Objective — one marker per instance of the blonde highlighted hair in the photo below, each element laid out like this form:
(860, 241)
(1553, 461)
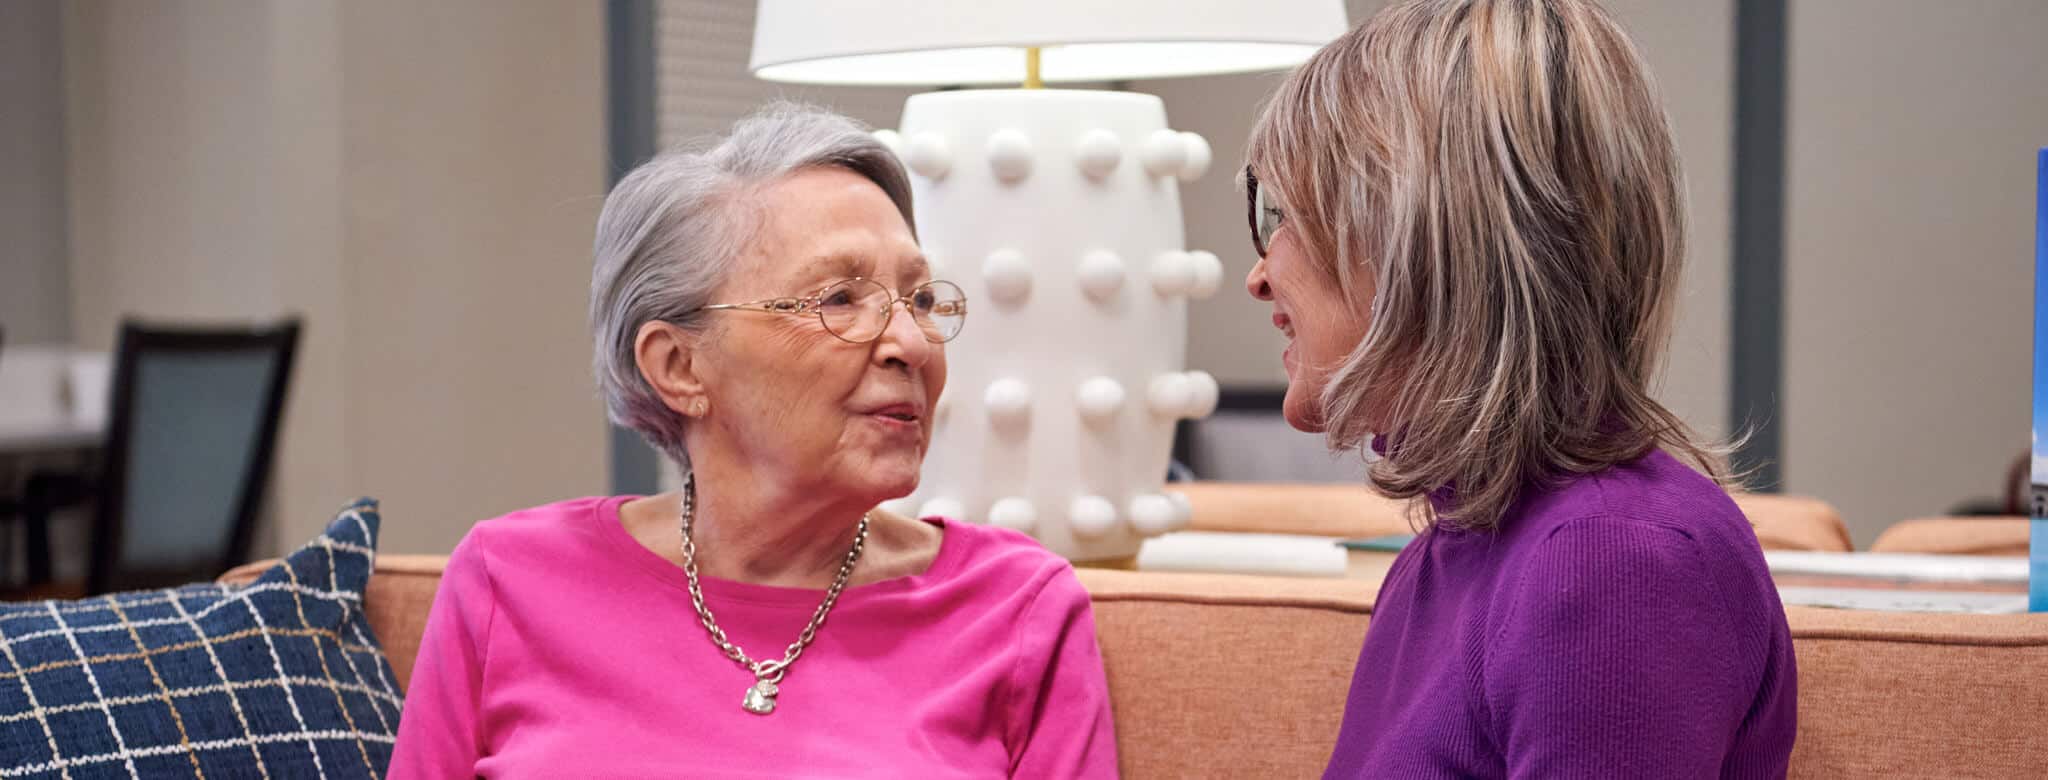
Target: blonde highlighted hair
(1493, 182)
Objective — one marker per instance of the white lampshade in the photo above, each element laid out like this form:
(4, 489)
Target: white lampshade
(930, 42)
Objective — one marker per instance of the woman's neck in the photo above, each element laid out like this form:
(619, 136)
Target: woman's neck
(754, 530)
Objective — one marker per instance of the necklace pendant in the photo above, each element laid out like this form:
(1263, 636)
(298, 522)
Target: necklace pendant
(761, 698)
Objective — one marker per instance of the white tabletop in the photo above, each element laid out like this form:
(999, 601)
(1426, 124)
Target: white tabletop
(1904, 600)
(52, 399)
(1900, 566)
(27, 437)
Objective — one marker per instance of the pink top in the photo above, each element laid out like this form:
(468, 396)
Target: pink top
(557, 644)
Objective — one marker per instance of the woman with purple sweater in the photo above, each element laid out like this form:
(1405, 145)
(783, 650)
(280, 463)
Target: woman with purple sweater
(1470, 222)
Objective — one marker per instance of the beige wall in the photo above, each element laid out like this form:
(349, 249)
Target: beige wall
(34, 305)
(418, 182)
(1687, 46)
(172, 207)
(474, 158)
(1690, 49)
(1910, 195)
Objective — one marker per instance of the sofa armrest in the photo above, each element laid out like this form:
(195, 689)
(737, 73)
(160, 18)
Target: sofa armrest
(1799, 523)
(1342, 511)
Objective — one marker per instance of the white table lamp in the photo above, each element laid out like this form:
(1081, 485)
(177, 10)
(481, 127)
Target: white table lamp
(1058, 212)
(974, 42)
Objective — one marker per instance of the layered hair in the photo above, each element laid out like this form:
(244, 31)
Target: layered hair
(1493, 184)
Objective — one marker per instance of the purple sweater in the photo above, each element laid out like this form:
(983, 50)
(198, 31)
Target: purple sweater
(1621, 625)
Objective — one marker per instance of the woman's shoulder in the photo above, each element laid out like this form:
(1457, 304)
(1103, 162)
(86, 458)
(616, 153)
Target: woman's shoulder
(552, 528)
(1634, 582)
(1649, 526)
(985, 553)
(1640, 538)
(1671, 501)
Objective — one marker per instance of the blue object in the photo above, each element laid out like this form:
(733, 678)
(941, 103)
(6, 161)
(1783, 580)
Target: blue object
(2037, 499)
(281, 677)
(1390, 543)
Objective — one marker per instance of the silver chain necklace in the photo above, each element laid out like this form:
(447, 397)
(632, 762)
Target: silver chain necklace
(760, 698)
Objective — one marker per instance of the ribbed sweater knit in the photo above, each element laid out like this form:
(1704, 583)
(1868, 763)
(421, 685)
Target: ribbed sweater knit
(1621, 624)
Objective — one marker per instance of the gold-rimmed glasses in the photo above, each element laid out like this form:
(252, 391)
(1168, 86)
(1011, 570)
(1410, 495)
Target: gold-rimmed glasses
(858, 309)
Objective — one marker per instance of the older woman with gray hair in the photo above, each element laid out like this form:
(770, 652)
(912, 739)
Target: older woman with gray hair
(1469, 222)
(763, 315)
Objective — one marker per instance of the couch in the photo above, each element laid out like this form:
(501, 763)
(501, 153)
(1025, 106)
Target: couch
(1234, 676)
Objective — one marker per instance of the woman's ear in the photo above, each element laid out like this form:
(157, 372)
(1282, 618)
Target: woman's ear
(667, 358)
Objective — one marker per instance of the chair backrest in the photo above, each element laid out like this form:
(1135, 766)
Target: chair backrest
(190, 438)
(1792, 522)
(2001, 536)
(1351, 511)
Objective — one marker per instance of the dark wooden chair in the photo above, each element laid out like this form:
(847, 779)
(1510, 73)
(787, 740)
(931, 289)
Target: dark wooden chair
(191, 435)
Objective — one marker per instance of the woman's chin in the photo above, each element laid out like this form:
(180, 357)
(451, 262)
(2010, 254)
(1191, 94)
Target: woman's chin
(1300, 409)
(898, 488)
(888, 478)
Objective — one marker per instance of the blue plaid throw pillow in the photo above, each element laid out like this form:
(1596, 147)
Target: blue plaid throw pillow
(278, 678)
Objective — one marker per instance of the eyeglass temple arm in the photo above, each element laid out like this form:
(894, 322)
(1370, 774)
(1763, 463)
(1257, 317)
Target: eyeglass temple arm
(788, 305)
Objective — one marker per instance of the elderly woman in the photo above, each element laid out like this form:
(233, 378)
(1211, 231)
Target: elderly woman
(1470, 228)
(763, 315)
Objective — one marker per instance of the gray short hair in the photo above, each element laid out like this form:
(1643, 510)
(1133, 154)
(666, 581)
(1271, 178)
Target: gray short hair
(672, 229)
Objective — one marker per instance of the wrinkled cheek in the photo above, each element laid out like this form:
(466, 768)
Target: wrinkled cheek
(802, 340)
(935, 378)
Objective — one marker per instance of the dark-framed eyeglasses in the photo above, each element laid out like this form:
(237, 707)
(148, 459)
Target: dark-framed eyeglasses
(1262, 211)
(858, 310)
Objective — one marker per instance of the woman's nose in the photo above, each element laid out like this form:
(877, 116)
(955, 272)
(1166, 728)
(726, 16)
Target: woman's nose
(1256, 283)
(903, 339)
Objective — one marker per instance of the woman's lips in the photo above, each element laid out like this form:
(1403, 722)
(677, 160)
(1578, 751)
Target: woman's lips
(894, 423)
(1286, 326)
(898, 418)
(1284, 323)
(901, 410)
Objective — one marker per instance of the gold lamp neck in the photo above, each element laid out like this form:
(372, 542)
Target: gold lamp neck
(1031, 77)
